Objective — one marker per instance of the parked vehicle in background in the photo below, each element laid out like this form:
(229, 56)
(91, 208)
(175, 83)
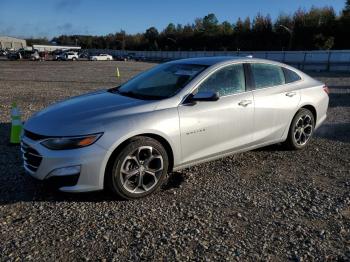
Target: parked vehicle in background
(73, 56)
(84, 55)
(131, 56)
(140, 58)
(3, 52)
(32, 55)
(12, 55)
(175, 115)
(57, 55)
(101, 57)
(64, 55)
(35, 56)
(121, 58)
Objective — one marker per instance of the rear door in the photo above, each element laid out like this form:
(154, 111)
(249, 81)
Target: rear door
(275, 102)
(210, 128)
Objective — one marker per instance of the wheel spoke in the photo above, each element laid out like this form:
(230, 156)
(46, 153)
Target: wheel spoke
(302, 138)
(132, 158)
(306, 120)
(140, 182)
(297, 135)
(129, 173)
(306, 135)
(308, 130)
(299, 122)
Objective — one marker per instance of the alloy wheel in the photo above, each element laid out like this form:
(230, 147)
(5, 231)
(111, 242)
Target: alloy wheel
(303, 129)
(141, 170)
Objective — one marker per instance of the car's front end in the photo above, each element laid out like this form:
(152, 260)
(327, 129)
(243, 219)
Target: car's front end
(72, 169)
(68, 143)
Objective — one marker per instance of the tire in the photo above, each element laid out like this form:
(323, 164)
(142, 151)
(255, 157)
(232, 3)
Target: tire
(139, 169)
(300, 130)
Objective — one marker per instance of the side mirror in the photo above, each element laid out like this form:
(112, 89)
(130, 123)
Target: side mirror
(205, 96)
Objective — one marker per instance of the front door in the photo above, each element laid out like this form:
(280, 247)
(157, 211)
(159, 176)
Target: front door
(211, 128)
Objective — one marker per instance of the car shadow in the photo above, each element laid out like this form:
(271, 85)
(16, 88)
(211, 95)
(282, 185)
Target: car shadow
(335, 131)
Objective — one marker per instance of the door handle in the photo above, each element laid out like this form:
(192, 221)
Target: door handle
(291, 94)
(244, 103)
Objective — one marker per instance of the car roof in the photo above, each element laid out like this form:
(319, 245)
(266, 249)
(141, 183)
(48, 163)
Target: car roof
(216, 60)
(212, 60)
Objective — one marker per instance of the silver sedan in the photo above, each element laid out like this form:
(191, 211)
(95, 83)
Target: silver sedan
(173, 116)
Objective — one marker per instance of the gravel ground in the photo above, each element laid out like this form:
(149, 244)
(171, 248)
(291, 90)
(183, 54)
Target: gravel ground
(268, 204)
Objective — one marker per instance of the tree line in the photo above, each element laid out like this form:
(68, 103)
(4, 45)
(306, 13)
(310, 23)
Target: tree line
(316, 28)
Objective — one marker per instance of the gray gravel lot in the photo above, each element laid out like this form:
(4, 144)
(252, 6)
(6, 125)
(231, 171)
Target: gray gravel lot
(268, 204)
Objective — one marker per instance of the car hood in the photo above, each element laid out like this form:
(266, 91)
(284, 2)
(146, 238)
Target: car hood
(85, 114)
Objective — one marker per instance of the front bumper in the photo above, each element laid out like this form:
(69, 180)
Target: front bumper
(42, 164)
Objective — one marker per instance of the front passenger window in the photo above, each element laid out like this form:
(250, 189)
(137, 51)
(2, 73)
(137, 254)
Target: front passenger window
(226, 81)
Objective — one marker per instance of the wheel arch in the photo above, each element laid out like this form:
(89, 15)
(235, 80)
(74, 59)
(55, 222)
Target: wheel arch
(306, 106)
(164, 142)
(311, 108)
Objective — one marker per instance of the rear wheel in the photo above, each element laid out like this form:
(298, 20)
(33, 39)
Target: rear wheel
(139, 169)
(301, 129)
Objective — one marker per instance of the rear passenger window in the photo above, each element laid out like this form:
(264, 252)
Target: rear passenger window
(266, 75)
(290, 76)
(226, 81)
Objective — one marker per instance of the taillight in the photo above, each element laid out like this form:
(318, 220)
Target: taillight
(326, 89)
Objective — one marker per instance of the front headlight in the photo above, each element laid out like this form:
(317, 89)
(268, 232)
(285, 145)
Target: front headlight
(61, 143)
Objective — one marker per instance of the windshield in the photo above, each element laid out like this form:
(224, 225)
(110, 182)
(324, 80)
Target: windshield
(160, 82)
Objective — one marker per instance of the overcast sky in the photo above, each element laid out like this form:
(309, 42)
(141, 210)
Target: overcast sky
(48, 18)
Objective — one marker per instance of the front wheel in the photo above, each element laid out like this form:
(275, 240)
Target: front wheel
(139, 169)
(301, 129)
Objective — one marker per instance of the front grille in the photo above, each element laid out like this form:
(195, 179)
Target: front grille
(31, 157)
(34, 136)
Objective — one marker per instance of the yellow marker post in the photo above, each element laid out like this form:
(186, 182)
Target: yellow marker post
(117, 75)
(16, 125)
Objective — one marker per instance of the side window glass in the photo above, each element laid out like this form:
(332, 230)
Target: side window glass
(266, 75)
(291, 76)
(226, 81)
